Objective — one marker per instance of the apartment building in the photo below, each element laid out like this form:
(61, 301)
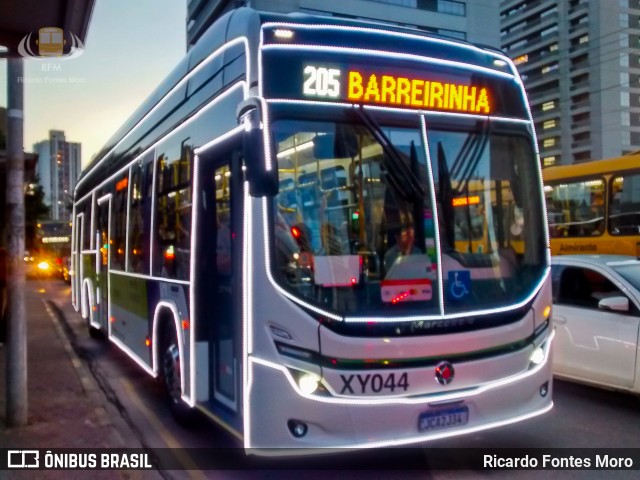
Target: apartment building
(58, 169)
(474, 20)
(580, 63)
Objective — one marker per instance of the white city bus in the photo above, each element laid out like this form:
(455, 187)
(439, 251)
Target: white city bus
(272, 234)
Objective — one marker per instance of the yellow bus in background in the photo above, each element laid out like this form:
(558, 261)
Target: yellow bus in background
(472, 234)
(594, 207)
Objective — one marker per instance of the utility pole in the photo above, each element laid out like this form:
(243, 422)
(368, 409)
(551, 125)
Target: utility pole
(16, 354)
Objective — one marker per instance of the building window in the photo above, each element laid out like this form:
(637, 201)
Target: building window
(521, 59)
(624, 60)
(624, 99)
(549, 161)
(581, 157)
(548, 31)
(451, 7)
(624, 19)
(624, 40)
(625, 137)
(624, 119)
(548, 105)
(549, 142)
(553, 48)
(583, 39)
(402, 3)
(549, 68)
(624, 79)
(549, 124)
(516, 26)
(518, 44)
(452, 33)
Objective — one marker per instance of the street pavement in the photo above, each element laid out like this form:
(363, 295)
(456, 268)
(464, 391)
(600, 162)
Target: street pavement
(67, 409)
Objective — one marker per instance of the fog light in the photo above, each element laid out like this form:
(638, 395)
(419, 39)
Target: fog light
(297, 429)
(544, 389)
(308, 383)
(537, 357)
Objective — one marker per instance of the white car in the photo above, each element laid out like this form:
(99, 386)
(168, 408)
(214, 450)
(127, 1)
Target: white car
(596, 313)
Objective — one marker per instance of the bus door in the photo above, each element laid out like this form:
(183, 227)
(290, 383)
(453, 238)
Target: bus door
(219, 268)
(103, 253)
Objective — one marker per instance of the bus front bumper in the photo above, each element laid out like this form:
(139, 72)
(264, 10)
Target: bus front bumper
(276, 407)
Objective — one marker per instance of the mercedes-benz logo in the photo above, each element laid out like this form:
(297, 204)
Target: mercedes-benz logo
(444, 373)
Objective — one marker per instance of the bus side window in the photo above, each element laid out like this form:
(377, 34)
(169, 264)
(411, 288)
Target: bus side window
(624, 209)
(137, 250)
(173, 211)
(119, 222)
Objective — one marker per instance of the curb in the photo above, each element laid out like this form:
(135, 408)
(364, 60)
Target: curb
(123, 436)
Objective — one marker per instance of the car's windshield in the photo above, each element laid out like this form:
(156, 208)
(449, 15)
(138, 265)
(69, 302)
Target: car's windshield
(355, 231)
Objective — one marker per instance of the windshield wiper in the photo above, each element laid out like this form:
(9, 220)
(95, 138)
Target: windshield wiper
(469, 156)
(398, 169)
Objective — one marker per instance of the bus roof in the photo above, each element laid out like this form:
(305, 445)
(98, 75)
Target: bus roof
(596, 167)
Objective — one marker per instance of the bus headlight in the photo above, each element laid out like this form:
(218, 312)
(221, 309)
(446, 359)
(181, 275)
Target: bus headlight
(537, 357)
(308, 383)
(44, 266)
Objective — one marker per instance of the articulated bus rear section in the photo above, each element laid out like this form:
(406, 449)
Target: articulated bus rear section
(285, 235)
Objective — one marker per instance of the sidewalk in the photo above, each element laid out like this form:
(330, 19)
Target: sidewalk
(67, 409)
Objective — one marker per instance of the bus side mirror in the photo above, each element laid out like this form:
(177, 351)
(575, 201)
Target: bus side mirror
(262, 178)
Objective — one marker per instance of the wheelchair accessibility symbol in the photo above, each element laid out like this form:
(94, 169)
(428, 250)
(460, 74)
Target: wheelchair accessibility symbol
(459, 284)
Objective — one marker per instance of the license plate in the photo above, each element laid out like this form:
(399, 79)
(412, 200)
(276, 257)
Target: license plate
(443, 419)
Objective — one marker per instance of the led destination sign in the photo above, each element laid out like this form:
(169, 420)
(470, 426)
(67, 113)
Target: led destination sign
(405, 84)
(416, 92)
(403, 91)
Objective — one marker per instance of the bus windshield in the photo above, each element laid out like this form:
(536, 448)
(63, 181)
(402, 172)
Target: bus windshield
(354, 217)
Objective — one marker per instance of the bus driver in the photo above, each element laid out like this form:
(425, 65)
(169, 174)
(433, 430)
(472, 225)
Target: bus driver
(405, 239)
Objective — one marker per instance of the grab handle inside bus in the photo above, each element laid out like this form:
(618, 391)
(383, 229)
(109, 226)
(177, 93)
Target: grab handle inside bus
(263, 181)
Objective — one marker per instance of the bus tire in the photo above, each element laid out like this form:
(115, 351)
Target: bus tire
(94, 332)
(171, 377)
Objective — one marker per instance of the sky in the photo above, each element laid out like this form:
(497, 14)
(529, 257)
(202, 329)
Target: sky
(130, 48)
